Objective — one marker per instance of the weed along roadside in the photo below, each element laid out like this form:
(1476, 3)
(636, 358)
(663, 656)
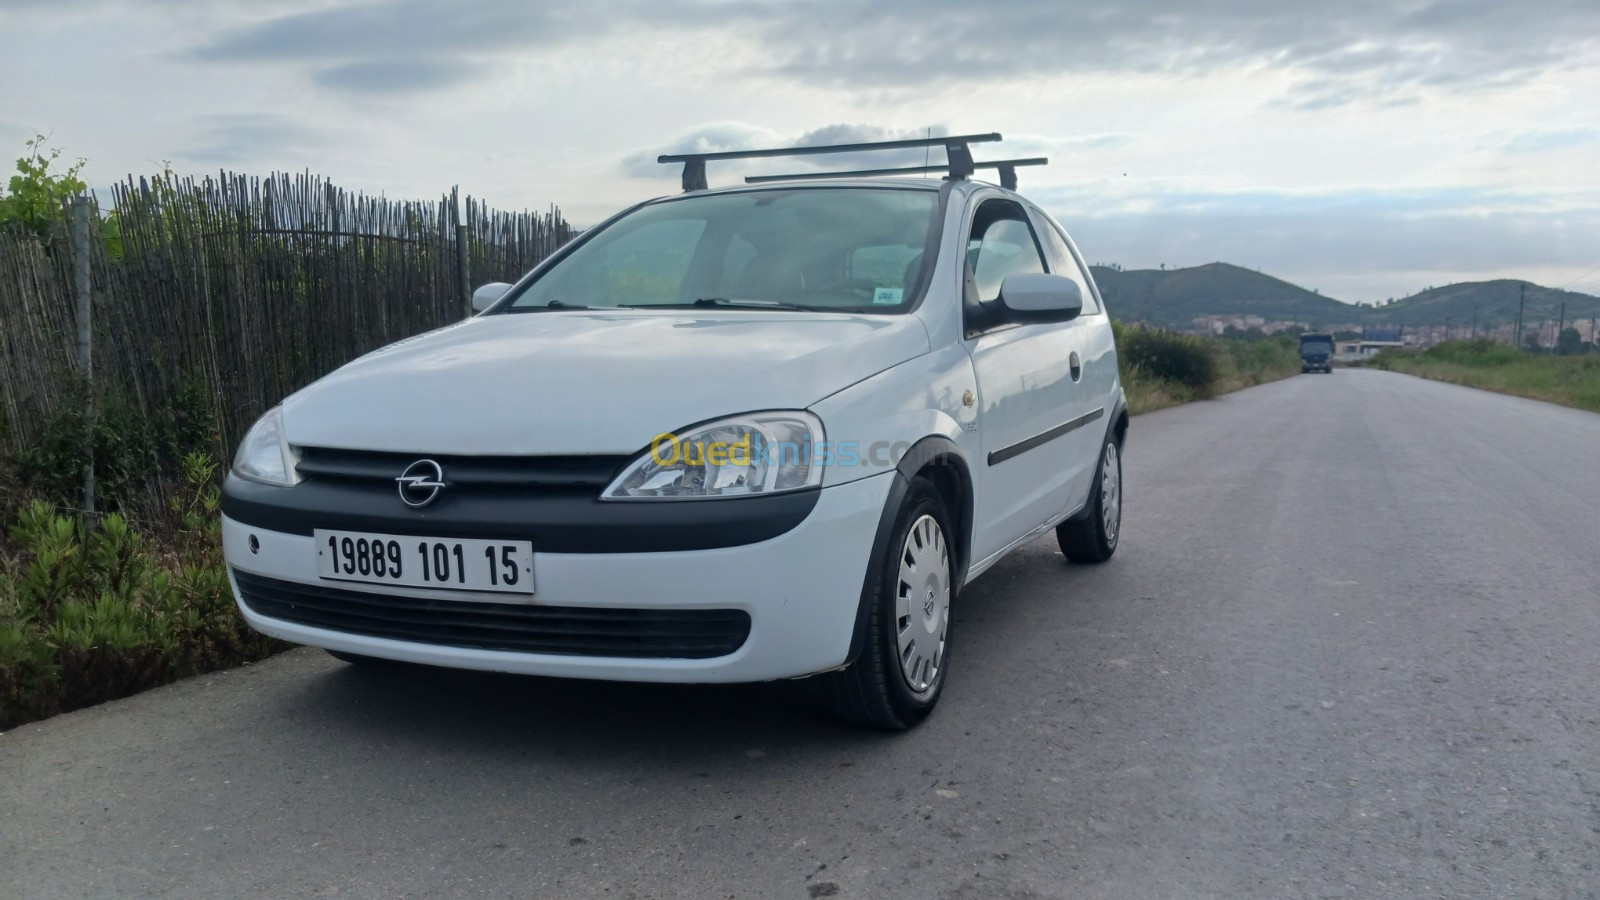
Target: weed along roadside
(1162, 369)
(1572, 380)
(90, 613)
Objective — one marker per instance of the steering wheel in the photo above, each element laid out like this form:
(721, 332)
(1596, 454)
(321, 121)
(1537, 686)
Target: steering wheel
(865, 287)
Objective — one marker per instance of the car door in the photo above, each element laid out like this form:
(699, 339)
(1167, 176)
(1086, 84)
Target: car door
(1030, 408)
(1098, 378)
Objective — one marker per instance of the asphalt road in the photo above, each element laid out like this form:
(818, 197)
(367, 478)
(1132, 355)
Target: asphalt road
(1350, 647)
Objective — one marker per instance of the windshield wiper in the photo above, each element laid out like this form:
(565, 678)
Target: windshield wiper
(553, 304)
(755, 304)
(729, 303)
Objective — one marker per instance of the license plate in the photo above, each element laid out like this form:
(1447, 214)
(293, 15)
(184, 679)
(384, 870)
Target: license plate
(457, 564)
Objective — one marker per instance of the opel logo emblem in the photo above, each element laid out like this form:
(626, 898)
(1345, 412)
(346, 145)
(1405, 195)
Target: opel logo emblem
(421, 483)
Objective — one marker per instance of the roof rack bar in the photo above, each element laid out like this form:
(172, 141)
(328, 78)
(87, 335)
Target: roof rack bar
(832, 148)
(1008, 172)
(694, 164)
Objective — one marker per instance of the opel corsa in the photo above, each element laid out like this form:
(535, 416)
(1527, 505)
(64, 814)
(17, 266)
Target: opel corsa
(732, 435)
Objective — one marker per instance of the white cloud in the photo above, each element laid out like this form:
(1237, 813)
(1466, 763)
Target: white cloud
(1366, 143)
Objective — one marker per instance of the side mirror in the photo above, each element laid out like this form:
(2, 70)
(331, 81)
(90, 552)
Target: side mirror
(484, 297)
(1031, 297)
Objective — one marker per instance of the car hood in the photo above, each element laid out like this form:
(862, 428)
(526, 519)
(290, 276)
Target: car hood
(589, 382)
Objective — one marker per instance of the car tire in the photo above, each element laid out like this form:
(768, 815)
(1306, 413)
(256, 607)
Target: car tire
(905, 654)
(1093, 537)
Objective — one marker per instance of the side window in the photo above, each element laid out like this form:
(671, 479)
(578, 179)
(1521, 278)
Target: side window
(1001, 244)
(1063, 262)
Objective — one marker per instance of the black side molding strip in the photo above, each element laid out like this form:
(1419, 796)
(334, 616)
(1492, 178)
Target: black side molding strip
(1004, 453)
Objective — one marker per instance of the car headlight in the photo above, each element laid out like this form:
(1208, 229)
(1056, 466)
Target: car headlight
(760, 453)
(264, 454)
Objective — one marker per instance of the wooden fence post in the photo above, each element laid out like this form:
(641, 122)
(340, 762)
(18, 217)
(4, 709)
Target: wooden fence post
(84, 286)
(461, 265)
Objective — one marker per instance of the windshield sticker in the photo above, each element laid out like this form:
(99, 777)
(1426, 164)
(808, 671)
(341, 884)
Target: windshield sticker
(887, 296)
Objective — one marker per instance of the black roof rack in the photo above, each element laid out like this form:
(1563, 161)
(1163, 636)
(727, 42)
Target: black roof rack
(1008, 171)
(959, 164)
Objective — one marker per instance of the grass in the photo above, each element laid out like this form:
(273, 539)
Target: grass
(1162, 369)
(1567, 380)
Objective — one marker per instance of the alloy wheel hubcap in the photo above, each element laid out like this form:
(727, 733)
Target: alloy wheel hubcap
(1111, 493)
(922, 605)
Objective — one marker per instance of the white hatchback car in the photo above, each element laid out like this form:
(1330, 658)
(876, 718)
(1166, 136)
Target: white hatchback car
(732, 435)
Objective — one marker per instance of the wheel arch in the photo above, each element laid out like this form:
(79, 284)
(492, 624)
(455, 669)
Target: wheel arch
(939, 460)
(1118, 428)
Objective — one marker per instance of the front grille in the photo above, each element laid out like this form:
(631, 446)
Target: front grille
(504, 471)
(632, 633)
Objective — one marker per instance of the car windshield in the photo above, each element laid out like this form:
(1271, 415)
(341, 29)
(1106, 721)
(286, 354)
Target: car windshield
(1316, 347)
(859, 249)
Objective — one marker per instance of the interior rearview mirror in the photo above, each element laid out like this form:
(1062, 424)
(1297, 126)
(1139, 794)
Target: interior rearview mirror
(1037, 297)
(484, 297)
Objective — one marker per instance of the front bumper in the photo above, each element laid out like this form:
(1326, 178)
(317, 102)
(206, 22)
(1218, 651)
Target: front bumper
(800, 589)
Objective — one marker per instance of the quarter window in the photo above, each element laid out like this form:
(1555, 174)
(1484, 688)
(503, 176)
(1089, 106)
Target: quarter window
(1063, 262)
(1001, 244)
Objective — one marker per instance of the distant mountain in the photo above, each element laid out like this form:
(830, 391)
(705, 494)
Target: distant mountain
(1174, 298)
(1495, 303)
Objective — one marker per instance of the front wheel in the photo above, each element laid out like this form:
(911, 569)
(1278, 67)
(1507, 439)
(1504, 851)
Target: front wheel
(905, 655)
(1093, 538)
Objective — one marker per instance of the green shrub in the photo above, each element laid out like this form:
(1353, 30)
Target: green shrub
(137, 460)
(1161, 369)
(1481, 352)
(1181, 359)
(125, 454)
(89, 614)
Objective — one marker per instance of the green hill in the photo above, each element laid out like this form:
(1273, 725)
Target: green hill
(1495, 303)
(1173, 299)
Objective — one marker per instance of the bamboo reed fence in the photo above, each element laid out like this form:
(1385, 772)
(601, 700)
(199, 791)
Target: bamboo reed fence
(239, 290)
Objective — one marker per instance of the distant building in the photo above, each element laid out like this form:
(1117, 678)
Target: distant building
(1374, 340)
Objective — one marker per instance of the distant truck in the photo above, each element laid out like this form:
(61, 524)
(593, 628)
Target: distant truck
(1316, 353)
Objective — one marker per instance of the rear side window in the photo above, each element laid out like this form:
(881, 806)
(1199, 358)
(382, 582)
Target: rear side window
(1001, 244)
(1063, 262)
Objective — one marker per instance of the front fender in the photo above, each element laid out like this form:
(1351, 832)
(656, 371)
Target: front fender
(873, 424)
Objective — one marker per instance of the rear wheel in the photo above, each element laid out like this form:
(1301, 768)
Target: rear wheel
(1093, 538)
(905, 654)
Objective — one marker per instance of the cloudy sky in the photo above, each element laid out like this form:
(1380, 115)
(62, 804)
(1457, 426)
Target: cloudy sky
(1366, 149)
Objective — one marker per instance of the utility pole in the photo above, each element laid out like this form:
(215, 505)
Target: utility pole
(1561, 322)
(1516, 339)
(1474, 321)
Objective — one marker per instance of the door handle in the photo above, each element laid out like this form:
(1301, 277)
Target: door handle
(1076, 364)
